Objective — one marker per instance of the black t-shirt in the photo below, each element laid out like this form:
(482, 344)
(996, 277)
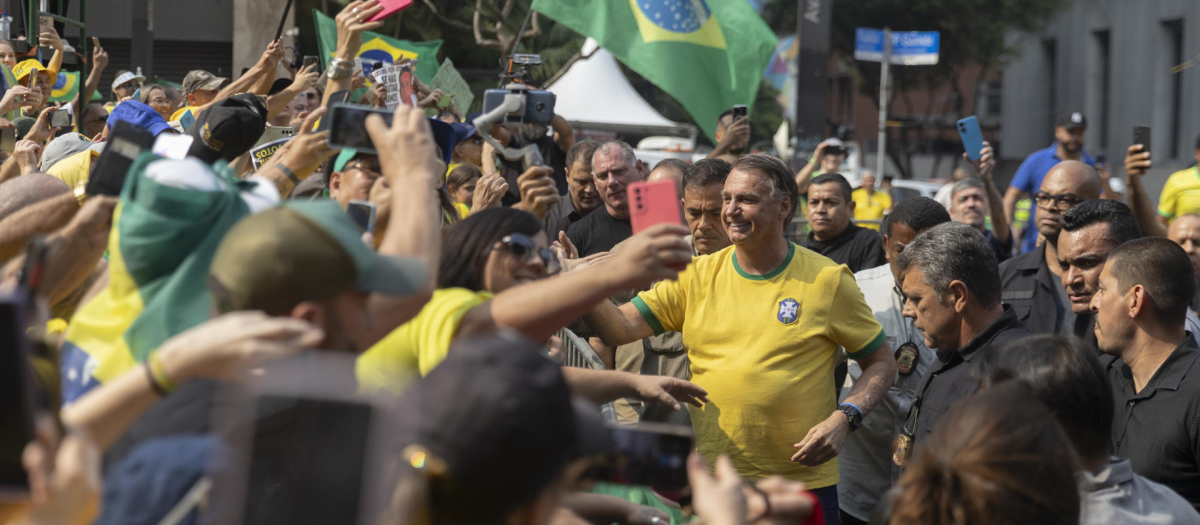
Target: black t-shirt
(858, 248)
(551, 156)
(598, 232)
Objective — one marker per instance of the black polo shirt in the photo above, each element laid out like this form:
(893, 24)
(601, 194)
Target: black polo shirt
(560, 216)
(1158, 429)
(950, 380)
(856, 247)
(1031, 288)
(598, 232)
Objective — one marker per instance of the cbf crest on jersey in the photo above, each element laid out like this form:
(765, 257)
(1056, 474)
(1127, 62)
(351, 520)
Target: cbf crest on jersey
(789, 311)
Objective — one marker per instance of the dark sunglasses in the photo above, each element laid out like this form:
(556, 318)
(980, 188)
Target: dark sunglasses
(522, 247)
(1062, 201)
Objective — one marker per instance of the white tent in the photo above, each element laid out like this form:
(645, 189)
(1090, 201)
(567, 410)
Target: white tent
(593, 94)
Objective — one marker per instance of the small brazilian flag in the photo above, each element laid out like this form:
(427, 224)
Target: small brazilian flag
(9, 80)
(66, 88)
(379, 48)
(708, 54)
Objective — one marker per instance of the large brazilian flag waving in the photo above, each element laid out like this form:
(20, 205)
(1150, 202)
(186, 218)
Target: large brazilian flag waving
(708, 54)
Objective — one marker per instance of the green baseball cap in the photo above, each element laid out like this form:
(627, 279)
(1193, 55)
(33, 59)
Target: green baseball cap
(303, 251)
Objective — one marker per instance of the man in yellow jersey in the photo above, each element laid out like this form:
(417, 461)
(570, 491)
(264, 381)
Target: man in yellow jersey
(1181, 194)
(870, 204)
(762, 321)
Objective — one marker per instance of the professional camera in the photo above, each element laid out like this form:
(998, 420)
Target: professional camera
(521, 104)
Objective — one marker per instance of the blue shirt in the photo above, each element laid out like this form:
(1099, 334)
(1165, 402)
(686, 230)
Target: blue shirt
(1029, 180)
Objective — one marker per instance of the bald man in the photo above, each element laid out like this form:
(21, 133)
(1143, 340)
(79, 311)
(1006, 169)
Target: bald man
(1185, 231)
(29, 189)
(672, 170)
(1032, 282)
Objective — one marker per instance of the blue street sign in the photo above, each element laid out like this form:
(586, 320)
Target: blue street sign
(911, 48)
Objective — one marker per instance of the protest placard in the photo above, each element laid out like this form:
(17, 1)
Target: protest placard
(451, 82)
(398, 80)
(262, 153)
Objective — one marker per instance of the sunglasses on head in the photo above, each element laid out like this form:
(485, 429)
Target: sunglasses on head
(522, 247)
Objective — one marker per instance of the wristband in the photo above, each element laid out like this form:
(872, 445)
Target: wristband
(766, 501)
(812, 160)
(158, 378)
(290, 174)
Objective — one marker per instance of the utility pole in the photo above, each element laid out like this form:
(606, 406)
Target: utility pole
(142, 41)
(881, 156)
(813, 19)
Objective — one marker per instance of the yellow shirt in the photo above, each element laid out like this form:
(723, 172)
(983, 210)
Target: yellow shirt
(178, 114)
(418, 345)
(870, 207)
(1181, 194)
(463, 210)
(764, 346)
(74, 171)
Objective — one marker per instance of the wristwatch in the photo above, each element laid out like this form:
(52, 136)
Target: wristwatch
(339, 68)
(853, 415)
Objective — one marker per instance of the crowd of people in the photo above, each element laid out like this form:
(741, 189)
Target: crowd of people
(944, 362)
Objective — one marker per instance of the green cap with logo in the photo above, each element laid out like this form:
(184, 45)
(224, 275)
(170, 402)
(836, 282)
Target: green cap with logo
(303, 251)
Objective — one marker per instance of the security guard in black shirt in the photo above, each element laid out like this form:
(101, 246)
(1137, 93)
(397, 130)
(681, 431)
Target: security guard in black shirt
(1032, 282)
(951, 284)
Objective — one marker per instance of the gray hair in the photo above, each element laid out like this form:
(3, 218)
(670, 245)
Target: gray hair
(626, 151)
(965, 184)
(955, 252)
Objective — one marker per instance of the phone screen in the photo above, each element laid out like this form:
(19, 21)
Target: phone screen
(738, 112)
(348, 128)
(363, 213)
(307, 461)
(655, 456)
(60, 118)
(123, 147)
(1141, 135)
(310, 60)
(16, 426)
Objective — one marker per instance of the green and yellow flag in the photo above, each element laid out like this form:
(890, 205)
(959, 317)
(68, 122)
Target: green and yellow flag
(708, 54)
(379, 48)
(162, 241)
(66, 87)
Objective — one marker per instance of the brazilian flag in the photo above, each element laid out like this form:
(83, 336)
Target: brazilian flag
(379, 48)
(708, 54)
(9, 80)
(65, 88)
(161, 244)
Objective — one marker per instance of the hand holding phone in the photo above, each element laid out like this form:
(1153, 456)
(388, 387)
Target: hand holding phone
(647, 454)
(311, 60)
(972, 137)
(348, 126)
(1141, 135)
(739, 112)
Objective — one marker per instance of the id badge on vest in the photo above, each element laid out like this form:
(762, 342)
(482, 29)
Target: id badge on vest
(903, 444)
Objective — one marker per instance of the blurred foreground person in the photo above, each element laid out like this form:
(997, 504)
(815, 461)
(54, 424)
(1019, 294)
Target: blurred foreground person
(997, 458)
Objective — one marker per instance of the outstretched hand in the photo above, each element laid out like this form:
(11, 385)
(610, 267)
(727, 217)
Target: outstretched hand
(669, 390)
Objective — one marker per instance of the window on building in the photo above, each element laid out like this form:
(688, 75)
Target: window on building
(1174, 31)
(1104, 59)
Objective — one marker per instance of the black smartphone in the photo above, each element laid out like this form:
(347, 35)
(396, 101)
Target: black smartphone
(60, 118)
(8, 140)
(739, 111)
(1101, 161)
(348, 128)
(17, 396)
(363, 213)
(311, 60)
(1141, 135)
(126, 142)
(648, 454)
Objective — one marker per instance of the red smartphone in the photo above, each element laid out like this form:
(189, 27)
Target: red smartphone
(654, 203)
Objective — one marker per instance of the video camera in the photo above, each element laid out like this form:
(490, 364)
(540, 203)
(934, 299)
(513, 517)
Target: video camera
(515, 104)
(521, 104)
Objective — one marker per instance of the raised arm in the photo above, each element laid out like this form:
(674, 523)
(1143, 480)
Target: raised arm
(564, 135)
(73, 251)
(409, 162)
(305, 79)
(40, 218)
(738, 132)
(218, 349)
(540, 308)
(99, 64)
(984, 167)
(249, 81)
(350, 26)
(1137, 163)
(806, 173)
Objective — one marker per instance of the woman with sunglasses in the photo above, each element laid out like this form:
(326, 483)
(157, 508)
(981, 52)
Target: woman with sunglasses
(497, 272)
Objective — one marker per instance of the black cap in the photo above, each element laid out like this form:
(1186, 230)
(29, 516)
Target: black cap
(499, 415)
(228, 128)
(1073, 119)
(280, 84)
